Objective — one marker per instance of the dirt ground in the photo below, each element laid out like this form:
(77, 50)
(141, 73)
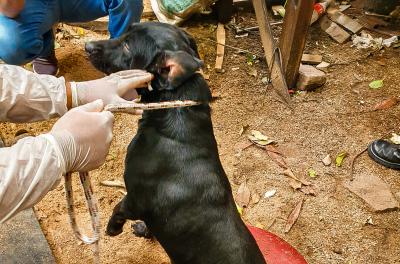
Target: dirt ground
(332, 225)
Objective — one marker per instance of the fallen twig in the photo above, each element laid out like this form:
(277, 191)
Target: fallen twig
(352, 163)
(116, 184)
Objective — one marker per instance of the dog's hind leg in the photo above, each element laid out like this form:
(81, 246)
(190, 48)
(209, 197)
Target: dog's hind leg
(118, 219)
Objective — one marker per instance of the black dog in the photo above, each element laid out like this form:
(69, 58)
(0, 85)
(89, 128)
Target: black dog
(173, 174)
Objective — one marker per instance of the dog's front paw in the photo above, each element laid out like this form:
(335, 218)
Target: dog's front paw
(140, 229)
(114, 228)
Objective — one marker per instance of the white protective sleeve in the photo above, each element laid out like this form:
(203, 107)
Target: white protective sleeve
(33, 166)
(28, 170)
(29, 97)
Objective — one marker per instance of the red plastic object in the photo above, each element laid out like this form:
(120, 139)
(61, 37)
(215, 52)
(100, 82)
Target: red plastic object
(274, 249)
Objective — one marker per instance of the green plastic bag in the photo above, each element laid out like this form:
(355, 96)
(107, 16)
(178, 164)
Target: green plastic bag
(183, 8)
(177, 6)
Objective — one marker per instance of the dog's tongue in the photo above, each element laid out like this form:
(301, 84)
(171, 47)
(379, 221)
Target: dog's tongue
(274, 249)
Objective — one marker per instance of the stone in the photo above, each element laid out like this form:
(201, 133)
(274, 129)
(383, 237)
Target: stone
(374, 191)
(310, 78)
(323, 65)
(22, 241)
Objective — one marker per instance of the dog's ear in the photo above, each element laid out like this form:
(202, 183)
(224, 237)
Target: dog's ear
(174, 67)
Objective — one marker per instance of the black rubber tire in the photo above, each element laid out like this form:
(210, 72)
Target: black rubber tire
(224, 10)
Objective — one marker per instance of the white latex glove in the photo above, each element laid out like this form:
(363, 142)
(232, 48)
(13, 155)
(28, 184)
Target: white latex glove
(84, 136)
(116, 88)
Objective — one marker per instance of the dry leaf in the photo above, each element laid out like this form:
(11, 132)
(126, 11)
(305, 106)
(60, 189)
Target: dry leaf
(259, 138)
(386, 104)
(288, 172)
(377, 84)
(295, 184)
(278, 158)
(308, 190)
(340, 157)
(253, 72)
(327, 160)
(240, 209)
(293, 216)
(255, 198)
(243, 195)
(395, 139)
(81, 31)
(243, 129)
(312, 173)
(259, 225)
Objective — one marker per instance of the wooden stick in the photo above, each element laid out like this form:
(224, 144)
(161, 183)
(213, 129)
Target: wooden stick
(220, 47)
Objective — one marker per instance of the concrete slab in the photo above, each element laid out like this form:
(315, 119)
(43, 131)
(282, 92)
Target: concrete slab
(23, 242)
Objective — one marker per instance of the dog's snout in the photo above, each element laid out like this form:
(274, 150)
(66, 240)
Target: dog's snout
(91, 47)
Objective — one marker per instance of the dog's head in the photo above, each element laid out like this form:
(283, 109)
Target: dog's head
(164, 50)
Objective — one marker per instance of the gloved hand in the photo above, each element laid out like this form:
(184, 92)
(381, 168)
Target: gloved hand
(84, 136)
(115, 88)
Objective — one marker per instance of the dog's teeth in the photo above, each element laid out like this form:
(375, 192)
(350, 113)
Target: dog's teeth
(149, 87)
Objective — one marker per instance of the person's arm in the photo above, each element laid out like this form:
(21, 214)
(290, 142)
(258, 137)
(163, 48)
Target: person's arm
(11, 8)
(79, 141)
(28, 170)
(29, 97)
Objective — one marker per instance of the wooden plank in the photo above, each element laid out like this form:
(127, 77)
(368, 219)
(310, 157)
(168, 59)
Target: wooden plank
(343, 8)
(293, 37)
(311, 59)
(271, 53)
(220, 47)
(334, 30)
(338, 17)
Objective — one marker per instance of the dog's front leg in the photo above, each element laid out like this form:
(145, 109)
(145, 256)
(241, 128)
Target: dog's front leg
(140, 229)
(118, 219)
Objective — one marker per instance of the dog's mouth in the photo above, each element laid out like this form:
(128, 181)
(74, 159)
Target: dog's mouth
(108, 56)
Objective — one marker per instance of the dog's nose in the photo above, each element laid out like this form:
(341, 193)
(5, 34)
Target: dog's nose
(91, 47)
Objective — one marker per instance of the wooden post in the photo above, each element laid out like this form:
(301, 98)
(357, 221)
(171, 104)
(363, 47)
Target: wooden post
(293, 38)
(271, 53)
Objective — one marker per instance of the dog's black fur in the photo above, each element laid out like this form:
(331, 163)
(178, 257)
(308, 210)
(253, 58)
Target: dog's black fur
(173, 174)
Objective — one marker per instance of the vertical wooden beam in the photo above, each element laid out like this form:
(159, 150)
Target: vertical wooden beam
(293, 38)
(271, 53)
(220, 47)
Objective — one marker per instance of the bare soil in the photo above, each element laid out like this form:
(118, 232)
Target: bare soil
(332, 224)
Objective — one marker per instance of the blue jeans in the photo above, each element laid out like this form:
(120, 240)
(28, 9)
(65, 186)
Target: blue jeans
(30, 35)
